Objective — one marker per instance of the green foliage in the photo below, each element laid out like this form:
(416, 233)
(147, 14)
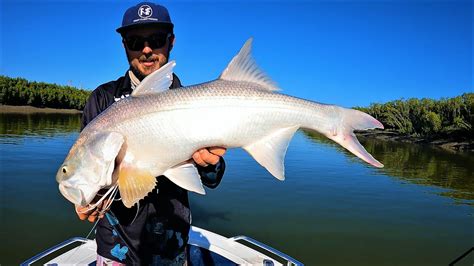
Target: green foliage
(426, 117)
(18, 91)
(431, 123)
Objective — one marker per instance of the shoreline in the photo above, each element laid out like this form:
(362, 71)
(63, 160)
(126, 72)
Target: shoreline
(463, 144)
(26, 109)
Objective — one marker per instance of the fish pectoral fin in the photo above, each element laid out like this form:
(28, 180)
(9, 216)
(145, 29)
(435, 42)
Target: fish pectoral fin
(243, 68)
(134, 184)
(156, 82)
(186, 176)
(270, 151)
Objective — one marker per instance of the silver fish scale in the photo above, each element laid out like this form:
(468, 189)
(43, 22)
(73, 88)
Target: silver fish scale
(164, 129)
(219, 93)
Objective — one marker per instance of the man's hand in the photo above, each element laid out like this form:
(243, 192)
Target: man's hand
(203, 157)
(207, 156)
(91, 215)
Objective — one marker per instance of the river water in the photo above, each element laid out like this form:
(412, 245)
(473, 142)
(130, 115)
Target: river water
(332, 209)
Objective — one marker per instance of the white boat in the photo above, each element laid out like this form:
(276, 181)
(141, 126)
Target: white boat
(204, 248)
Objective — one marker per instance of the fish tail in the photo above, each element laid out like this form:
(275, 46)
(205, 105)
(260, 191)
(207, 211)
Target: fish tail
(343, 133)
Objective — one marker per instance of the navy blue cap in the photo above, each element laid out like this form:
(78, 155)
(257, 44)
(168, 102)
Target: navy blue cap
(145, 13)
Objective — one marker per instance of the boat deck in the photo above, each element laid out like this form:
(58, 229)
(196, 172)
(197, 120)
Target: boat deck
(204, 248)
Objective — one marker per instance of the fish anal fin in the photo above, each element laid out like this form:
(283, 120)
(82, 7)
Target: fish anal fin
(270, 151)
(243, 68)
(157, 81)
(186, 176)
(134, 184)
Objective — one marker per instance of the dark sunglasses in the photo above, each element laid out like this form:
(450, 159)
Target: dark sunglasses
(155, 41)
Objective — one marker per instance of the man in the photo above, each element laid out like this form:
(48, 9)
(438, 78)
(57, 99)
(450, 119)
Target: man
(156, 230)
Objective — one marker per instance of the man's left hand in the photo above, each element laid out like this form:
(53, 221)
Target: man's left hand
(207, 156)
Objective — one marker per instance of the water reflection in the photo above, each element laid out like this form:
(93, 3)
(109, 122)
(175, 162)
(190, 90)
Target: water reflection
(420, 164)
(13, 126)
(331, 208)
(203, 215)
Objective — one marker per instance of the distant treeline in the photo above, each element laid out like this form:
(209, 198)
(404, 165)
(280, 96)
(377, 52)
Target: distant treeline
(415, 117)
(19, 91)
(426, 117)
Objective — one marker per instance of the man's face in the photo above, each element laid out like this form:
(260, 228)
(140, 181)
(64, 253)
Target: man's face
(146, 58)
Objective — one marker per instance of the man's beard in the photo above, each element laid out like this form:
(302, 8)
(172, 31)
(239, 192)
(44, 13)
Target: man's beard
(137, 73)
(140, 76)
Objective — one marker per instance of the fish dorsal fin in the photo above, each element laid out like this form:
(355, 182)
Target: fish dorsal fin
(243, 68)
(157, 81)
(270, 151)
(186, 176)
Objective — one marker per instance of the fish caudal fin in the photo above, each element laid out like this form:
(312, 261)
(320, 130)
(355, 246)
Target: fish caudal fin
(243, 68)
(344, 136)
(270, 151)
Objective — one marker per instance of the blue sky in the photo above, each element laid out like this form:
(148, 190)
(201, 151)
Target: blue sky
(350, 53)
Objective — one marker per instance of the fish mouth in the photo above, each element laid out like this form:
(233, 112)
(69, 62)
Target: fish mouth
(74, 195)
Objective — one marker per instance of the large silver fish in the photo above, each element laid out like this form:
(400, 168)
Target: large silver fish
(155, 131)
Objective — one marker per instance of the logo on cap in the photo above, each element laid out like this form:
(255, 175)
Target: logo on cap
(145, 11)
